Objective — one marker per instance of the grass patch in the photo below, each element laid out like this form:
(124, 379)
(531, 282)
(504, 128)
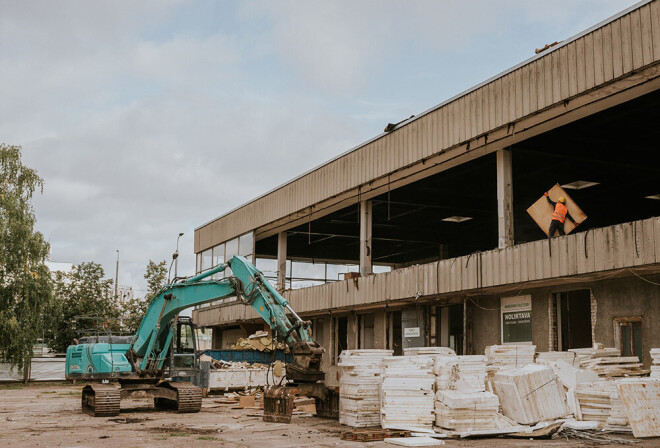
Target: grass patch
(178, 434)
(49, 392)
(206, 438)
(76, 393)
(11, 387)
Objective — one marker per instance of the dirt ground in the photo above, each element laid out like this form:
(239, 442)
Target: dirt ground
(49, 416)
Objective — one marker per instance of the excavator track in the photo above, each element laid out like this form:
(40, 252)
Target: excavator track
(188, 398)
(101, 400)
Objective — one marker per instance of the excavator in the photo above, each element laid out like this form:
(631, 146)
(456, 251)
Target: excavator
(153, 362)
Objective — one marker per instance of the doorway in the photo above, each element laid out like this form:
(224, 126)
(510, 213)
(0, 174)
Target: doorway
(573, 319)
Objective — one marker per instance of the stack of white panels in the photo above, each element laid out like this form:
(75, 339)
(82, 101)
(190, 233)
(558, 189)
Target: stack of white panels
(601, 402)
(359, 387)
(509, 356)
(530, 394)
(416, 351)
(550, 358)
(463, 373)
(406, 392)
(655, 363)
(466, 411)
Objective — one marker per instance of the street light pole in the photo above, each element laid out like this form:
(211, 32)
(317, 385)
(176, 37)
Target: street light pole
(176, 256)
(117, 275)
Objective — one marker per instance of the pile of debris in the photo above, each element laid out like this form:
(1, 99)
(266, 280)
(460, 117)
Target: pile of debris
(261, 341)
(359, 387)
(525, 396)
(406, 392)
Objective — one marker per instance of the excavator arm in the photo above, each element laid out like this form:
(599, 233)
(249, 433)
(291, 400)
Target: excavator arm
(152, 341)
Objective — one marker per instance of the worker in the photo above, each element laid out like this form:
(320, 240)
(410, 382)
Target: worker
(559, 215)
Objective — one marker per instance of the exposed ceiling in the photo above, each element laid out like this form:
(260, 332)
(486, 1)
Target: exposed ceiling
(618, 148)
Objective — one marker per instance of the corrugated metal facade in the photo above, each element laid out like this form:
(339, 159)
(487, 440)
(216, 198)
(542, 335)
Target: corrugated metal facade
(598, 251)
(611, 51)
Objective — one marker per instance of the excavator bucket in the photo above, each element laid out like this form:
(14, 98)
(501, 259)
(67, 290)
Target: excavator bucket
(278, 404)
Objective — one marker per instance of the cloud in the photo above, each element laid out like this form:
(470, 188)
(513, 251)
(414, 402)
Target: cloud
(147, 119)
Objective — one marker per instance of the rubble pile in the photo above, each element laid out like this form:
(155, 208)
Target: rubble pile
(261, 341)
(655, 363)
(466, 411)
(359, 387)
(406, 393)
(530, 394)
(465, 373)
(608, 362)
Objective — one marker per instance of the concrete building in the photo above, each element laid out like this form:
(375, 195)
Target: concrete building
(432, 214)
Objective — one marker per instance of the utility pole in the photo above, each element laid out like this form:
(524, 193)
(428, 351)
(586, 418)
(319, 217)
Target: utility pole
(117, 276)
(176, 255)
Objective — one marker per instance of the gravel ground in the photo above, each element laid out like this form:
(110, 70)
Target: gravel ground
(48, 415)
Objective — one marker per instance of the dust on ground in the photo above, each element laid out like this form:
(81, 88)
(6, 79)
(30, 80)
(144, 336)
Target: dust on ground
(48, 415)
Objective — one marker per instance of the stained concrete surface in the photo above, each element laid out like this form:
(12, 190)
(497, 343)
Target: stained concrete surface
(49, 416)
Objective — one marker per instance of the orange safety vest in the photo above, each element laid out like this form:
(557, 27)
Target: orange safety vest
(560, 212)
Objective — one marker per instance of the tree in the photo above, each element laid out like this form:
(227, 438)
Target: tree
(25, 290)
(82, 305)
(136, 308)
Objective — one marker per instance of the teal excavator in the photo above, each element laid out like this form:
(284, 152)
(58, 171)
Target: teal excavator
(148, 364)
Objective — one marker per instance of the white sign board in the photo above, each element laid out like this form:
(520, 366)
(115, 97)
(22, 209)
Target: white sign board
(516, 323)
(412, 332)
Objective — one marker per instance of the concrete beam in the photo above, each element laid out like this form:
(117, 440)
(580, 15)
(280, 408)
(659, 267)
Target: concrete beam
(281, 261)
(504, 198)
(365, 237)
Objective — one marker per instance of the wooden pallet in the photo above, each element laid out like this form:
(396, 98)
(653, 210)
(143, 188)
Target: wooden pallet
(372, 435)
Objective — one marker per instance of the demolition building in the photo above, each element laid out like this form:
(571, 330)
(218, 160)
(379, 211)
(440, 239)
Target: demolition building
(421, 236)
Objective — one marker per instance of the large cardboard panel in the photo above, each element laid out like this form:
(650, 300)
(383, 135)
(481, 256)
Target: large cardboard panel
(541, 210)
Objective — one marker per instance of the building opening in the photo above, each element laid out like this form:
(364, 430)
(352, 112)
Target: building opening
(573, 319)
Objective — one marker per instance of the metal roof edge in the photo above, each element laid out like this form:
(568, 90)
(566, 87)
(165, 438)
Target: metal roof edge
(438, 106)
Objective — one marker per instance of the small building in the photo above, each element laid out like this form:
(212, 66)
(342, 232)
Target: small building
(420, 236)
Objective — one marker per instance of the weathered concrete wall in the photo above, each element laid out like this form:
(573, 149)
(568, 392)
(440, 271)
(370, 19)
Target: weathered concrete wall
(628, 297)
(622, 297)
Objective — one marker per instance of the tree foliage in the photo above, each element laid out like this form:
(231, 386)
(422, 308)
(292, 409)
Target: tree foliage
(136, 308)
(83, 305)
(25, 289)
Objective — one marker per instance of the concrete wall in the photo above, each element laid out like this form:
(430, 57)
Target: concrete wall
(627, 298)
(622, 297)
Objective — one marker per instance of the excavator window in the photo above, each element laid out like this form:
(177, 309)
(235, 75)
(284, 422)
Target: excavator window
(184, 347)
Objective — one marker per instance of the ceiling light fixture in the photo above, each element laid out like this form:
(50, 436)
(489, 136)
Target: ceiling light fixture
(457, 218)
(580, 184)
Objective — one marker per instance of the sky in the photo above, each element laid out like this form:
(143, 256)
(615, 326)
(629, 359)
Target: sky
(150, 118)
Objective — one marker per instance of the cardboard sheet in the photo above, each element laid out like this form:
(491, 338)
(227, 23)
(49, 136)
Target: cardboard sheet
(541, 211)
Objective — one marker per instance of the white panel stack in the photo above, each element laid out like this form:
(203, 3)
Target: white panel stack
(466, 411)
(406, 392)
(593, 402)
(655, 363)
(463, 373)
(359, 387)
(510, 355)
(416, 351)
(530, 394)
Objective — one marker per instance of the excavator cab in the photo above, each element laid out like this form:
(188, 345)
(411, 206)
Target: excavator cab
(182, 361)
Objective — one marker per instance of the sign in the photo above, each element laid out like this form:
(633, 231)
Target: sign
(412, 332)
(516, 319)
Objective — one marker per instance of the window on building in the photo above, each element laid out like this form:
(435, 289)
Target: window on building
(207, 259)
(628, 331)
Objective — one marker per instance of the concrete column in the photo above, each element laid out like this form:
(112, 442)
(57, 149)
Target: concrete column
(504, 198)
(365, 237)
(352, 329)
(281, 261)
(380, 330)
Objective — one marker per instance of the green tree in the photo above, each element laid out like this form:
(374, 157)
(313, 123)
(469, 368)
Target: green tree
(83, 305)
(136, 308)
(25, 290)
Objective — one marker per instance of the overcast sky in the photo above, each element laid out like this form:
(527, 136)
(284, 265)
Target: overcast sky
(149, 118)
